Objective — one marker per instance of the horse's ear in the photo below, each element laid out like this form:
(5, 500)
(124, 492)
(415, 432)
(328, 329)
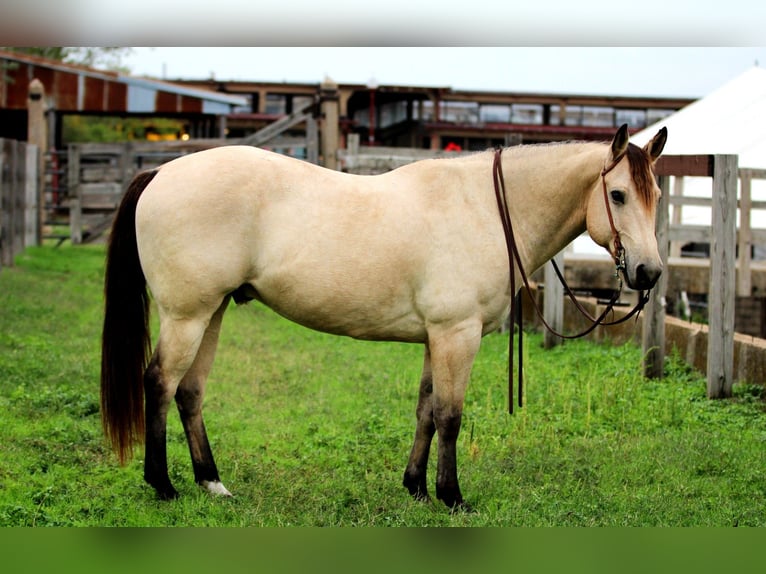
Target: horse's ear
(620, 143)
(655, 146)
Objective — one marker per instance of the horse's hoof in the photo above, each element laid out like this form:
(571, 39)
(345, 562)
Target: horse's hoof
(215, 487)
(449, 495)
(416, 487)
(167, 493)
(163, 487)
(420, 495)
(462, 508)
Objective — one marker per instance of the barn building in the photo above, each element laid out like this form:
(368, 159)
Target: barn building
(387, 115)
(438, 117)
(80, 90)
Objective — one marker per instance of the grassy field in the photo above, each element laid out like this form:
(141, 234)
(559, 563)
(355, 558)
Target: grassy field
(311, 430)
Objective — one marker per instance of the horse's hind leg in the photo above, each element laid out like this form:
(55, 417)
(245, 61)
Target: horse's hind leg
(189, 397)
(415, 474)
(178, 343)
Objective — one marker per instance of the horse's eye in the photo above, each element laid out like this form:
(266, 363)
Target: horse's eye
(618, 197)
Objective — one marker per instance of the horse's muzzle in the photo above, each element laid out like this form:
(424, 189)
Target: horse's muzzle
(644, 277)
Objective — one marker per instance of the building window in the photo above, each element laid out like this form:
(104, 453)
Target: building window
(392, 113)
(495, 113)
(527, 114)
(653, 116)
(597, 117)
(423, 111)
(276, 104)
(634, 118)
(459, 112)
(572, 116)
(555, 115)
(301, 102)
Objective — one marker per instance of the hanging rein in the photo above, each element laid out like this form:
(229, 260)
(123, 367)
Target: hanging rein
(514, 260)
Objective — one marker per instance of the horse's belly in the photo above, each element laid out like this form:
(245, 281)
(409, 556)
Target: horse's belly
(345, 317)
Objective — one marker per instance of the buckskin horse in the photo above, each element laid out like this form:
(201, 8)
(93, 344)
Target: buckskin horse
(417, 254)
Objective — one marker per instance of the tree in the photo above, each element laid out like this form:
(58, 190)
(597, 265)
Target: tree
(107, 58)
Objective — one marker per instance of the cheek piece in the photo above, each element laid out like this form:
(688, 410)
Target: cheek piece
(619, 251)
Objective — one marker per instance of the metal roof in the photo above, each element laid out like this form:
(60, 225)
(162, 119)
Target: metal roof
(73, 88)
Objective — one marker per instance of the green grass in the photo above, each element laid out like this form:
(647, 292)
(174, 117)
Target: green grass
(310, 429)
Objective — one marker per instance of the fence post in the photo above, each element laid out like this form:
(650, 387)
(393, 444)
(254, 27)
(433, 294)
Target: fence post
(4, 214)
(312, 140)
(31, 213)
(18, 191)
(553, 302)
(744, 283)
(720, 351)
(678, 191)
(75, 194)
(126, 163)
(37, 134)
(653, 330)
(329, 108)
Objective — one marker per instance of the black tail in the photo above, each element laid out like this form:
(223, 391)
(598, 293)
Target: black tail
(125, 339)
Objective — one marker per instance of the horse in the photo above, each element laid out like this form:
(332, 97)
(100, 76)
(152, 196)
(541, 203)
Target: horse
(417, 254)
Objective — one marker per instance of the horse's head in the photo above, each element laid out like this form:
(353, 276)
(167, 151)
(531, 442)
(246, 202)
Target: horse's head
(622, 206)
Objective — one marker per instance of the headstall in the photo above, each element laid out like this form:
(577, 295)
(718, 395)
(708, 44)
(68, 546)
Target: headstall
(514, 260)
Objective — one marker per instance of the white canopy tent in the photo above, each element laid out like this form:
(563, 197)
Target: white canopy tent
(730, 120)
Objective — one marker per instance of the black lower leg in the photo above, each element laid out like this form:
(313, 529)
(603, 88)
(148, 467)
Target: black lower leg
(415, 474)
(447, 487)
(189, 402)
(155, 456)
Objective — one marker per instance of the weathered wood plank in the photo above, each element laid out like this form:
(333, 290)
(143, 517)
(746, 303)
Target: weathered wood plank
(6, 258)
(686, 233)
(74, 189)
(691, 165)
(721, 297)
(653, 328)
(18, 205)
(744, 237)
(553, 304)
(682, 200)
(31, 196)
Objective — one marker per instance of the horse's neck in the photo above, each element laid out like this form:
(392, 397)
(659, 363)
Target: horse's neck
(547, 191)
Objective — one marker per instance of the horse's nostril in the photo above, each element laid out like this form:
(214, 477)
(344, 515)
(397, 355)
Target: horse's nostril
(647, 276)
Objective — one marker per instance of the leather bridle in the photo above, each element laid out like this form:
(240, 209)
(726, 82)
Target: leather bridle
(514, 260)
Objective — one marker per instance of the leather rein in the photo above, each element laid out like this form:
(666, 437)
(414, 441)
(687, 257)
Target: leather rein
(514, 261)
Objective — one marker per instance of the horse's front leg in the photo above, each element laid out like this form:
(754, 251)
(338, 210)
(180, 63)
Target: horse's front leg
(415, 474)
(452, 355)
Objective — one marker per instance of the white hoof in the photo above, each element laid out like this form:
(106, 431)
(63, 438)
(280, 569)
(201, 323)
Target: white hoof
(215, 487)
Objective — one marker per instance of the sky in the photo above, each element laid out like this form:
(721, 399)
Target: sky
(556, 46)
(625, 71)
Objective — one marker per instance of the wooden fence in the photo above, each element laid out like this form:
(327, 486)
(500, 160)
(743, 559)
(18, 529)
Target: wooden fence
(722, 236)
(18, 198)
(98, 174)
(365, 160)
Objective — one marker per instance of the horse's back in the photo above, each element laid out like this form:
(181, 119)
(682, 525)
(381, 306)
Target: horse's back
(367, 256)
